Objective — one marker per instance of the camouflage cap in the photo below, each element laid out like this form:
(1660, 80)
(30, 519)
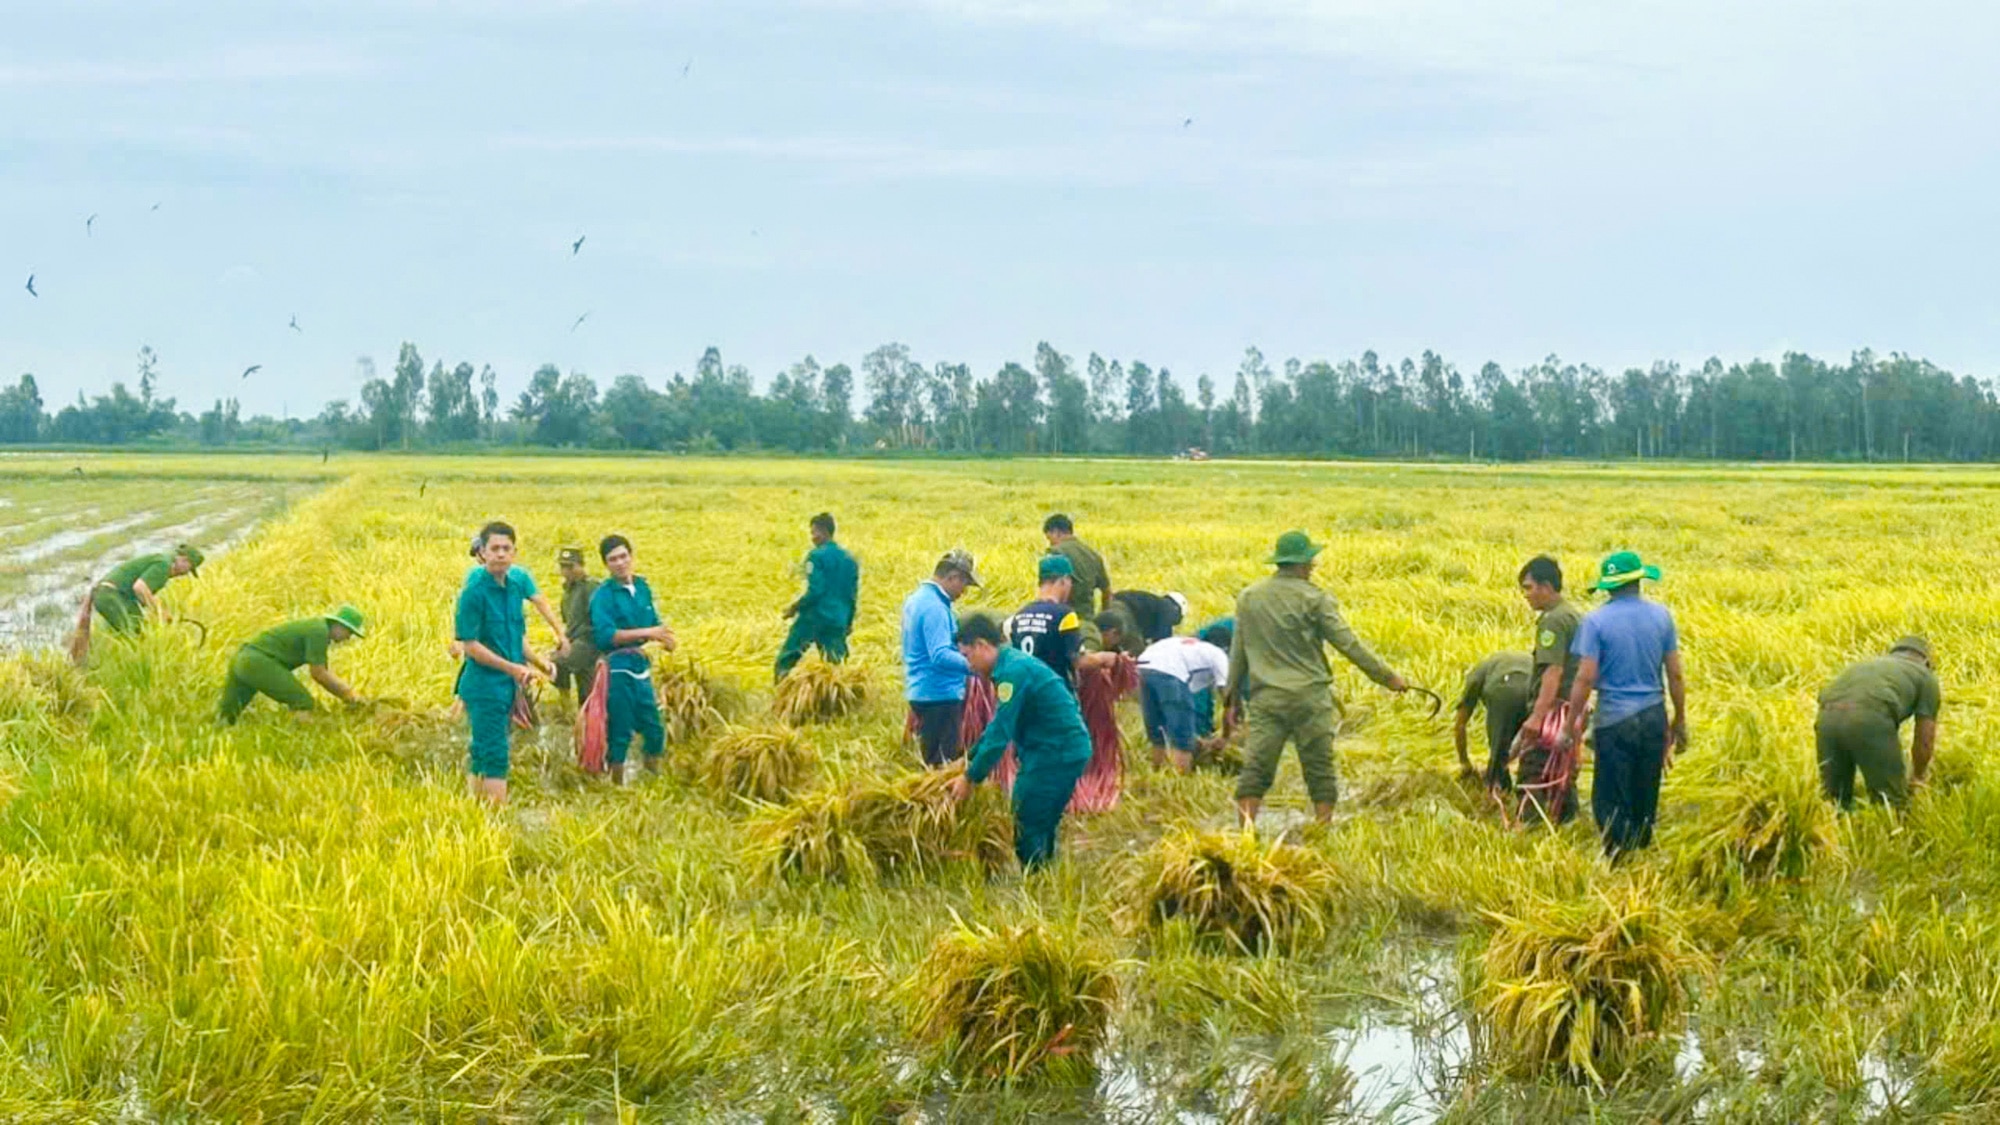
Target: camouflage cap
(959, 560)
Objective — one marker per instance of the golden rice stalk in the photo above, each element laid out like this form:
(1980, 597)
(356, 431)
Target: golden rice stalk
(874, 828)
(1236, 890)
(761, 763)
(1020, 1003)
(1759, 830)
(43, 685)
(1583, 986)
(817, 691)
(692, 702)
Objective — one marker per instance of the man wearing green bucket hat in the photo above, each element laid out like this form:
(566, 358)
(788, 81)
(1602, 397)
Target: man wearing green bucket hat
(264, 666)
(1859, 713)
(1626, 648)
(1279, 674)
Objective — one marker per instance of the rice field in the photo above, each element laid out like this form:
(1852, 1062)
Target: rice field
(309, 919)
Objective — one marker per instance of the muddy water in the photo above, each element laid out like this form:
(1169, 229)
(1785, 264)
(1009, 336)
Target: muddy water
(43, 613)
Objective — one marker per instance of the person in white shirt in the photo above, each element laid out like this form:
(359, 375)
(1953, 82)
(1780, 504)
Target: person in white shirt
(1171, 671)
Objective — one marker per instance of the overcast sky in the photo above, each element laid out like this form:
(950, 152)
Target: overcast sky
(1612, 181)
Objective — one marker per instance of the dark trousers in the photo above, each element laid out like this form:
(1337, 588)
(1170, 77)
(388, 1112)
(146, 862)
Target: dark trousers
(1040, 796)
(937, 730)
(1625, 798)
(809, 630)
(632, 707)
(1502, 724)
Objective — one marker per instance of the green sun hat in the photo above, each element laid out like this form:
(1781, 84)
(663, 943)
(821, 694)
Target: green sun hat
(348, 618)
(1913, 643)
(193, 556)
(1294, 548)
(1053, 567)
(1623, 569)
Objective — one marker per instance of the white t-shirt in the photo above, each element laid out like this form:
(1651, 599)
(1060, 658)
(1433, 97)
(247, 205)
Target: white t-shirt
(1200, 664)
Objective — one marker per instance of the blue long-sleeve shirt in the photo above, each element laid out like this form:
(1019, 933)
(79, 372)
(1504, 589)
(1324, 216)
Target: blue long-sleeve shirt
(933, 669)
(616, 606)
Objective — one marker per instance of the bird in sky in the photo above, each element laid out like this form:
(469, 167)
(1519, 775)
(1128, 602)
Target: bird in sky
(579, 322)
(31, 286)
(688, 67)
(295, 326)
(252, 370)
(576, 247)
(1187, 122)
(155, 207)
(88, 223)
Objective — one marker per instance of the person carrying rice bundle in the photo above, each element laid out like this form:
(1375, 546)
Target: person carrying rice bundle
(1038, 716)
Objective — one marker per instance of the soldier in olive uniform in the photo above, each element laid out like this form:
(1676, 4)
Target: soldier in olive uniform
(1278, 669)
(1499, 683)
(1859, 714)
(1554, 675)
(125, 595)
(579, 664)
(824, 614)
(265, 665)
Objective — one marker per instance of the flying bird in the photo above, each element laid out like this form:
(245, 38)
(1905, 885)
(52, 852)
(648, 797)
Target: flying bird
(579, 322)
(296, 328)
(155, 207)
(576, 247)
(31, 286)
(252, 370)
(688, 67)
(1187, 122)
(88, 222)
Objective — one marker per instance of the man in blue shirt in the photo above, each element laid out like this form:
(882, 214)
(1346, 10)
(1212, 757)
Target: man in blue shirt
(491, 630)
(1625, 648)
(934, 671)
(623, 622)
(1039, 716)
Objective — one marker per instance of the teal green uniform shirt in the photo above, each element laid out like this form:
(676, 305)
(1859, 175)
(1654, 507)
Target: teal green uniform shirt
(833, 582)
(1037, 713)
(616, 606)
(491, 613)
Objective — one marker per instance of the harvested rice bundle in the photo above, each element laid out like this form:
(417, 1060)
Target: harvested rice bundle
(760, 763)
(1236, 890)
(1022, 1003)
(875, 828)
(1759, 830)
(817, 691)
(42, 685)
(692, 702)
(1584, 986)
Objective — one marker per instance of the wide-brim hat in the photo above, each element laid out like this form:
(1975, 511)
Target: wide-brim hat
(348, 618)
(1293, 548)
(1623, 569)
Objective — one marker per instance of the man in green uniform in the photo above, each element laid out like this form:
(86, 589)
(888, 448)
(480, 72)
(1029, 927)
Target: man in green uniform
(1500, 683)
(1554, 676)
(623, 621)
(124, 596)
(1859, 713)
(579, 664)
(1038, 714)
(265, 665)
(492, 631)
(1278, 670)
(825, 612)
(1089, 575)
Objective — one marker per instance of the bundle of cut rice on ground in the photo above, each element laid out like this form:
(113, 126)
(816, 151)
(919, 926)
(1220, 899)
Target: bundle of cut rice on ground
(874, 827)
(817, 691)
(768, 764)
(1017, 1003)
(1236, 890)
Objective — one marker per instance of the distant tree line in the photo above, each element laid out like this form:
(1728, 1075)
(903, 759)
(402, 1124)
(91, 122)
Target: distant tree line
(1801, 408)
